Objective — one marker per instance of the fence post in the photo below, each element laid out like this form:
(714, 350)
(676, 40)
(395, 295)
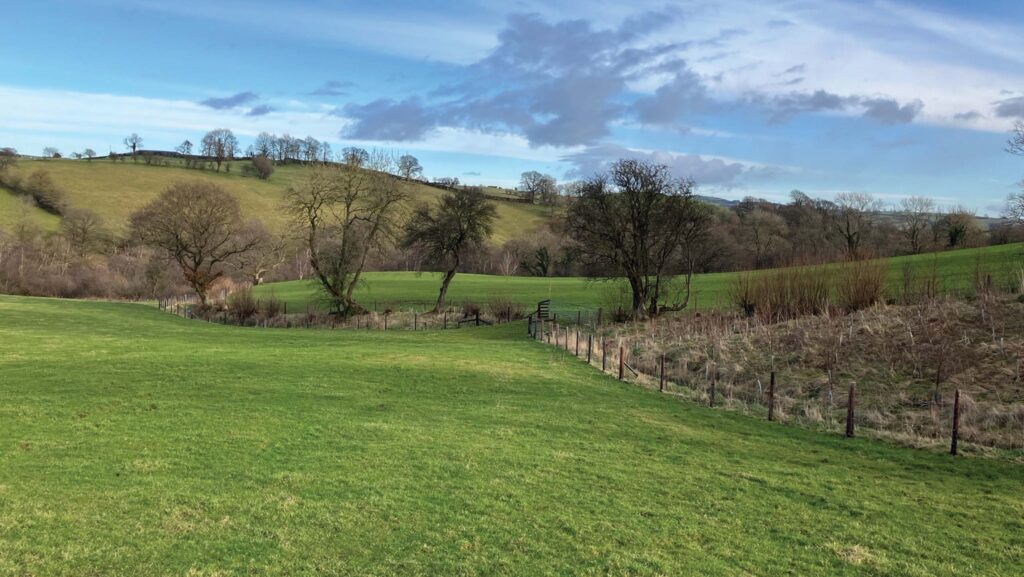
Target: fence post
(590, 347)
(714, 381)
(622, 362)
(604, 354)
(285, 307)
(415, 320)
(477, 318)
(385, 321)
(849, 410)
(566, 339)
(577, 341)
(661, 378)
(956, 422)
(771, 398)
(577, 318)
(599, 310)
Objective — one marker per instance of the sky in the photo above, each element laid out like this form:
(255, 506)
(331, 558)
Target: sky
(748, 98)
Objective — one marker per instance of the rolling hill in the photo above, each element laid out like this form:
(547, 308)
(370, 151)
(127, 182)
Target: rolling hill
(116, 190)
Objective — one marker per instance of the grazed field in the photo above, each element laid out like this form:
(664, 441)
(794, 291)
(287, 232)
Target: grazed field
(116, 190)
(134, 442)
(954, 269)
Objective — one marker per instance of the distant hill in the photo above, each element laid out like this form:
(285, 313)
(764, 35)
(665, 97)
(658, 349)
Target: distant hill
(115, 190)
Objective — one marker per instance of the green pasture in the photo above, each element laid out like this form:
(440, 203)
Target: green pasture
(133, 442)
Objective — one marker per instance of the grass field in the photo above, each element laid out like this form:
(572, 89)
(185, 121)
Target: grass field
(568, 294)
(116, 190)
(135, 442)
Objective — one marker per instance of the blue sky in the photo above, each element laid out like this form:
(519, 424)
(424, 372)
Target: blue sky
(750, 98)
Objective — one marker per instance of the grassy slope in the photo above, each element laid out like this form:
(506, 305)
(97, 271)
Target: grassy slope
(568, 294)
(133, 442)
(11, 209)
(115, 190)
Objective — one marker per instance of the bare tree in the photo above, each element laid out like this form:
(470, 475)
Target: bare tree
(852, 218)
(354, 156)
(220, 145)
(342, 212)
(51, 152)
(535, 185)
(263, 166)
(763, 232)
(633, 221)
(1015, 145)
(918, 216)
(199, 225)
(463, 220)
(311, 149)
(264, 145)
(409, 167)
(84, 230)
(958, 228)
(133, 143)
(89, 154)
(185, 148)
(268, 252)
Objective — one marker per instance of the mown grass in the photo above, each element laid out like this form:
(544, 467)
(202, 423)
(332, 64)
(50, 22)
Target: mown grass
(116, 190)
(955, 271)
(137, 443)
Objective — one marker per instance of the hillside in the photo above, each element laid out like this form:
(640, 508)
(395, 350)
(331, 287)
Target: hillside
(160, 446)
(116, 190)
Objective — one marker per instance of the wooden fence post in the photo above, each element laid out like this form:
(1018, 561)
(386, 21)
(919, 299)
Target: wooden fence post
(661, 379)
(415, 320)
(446, 318)
(622, 361)
(850, 410)
(714, 381)
(771, 398)
(599, 310)
(604, 355)
(385, 321)
(577, 318)
(577, 342)
(590, 346)
(956, 422)
(477, 318)
(566, 339)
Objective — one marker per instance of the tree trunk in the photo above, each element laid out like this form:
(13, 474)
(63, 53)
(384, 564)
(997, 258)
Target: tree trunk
(448, 276)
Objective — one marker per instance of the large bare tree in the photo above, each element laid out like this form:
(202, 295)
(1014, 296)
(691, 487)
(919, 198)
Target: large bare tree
(220, 145)
(852, 218)
(535, 185)
(636, 221)
(341, 212)
(464, 219)
(917, 217)
(199, 225)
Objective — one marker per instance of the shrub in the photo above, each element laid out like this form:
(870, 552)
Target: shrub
(470, 308)
(504, 308)
(272, 306)
(263, 167)
(860, 284)
(44, 191)
(242, 305)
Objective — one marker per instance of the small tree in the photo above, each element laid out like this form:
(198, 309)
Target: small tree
(263, 166)
(536, 186)
(89, 154)
(267, 253)
(852, 218)
(185, 148)
(199, 225)
(51, 152)
(409, 167)
(133, 143)
(8, 158)
(84, 230)
(45, 192)
(464, 219)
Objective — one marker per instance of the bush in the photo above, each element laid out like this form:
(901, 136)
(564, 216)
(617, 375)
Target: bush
(504, 308)
(784, 293)
(272, 306)
(44, 191)
(470, 308)
(860, 284)
(263, 167)
(242, 305)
